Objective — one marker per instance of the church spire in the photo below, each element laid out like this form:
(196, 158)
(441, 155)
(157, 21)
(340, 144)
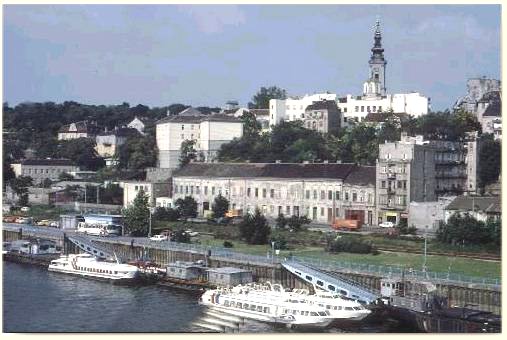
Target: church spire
(377, 80)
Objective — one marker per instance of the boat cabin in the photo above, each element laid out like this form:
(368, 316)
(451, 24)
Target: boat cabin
(229, 276)
(185, 270)
(34, 247)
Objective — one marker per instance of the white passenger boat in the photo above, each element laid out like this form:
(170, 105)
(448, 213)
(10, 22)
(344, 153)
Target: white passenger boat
(339, 308)
(86, 265)
(269, 309)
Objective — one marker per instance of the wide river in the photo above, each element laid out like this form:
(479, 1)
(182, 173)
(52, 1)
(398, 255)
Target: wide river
(35, 300)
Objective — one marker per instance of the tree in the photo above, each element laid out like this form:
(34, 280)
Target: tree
(65, 176)
(46, 183)
(490, 157)
(180, 236)
(281, 221)
(166, 214)
(138, 152)
(255, 229)
(187, 153)
(296, 222)
(111, 194)
(20, 187)
(136, 216)
(82, 152)
(187, 207)
(465, 229)
(220, 206)
(251, 127)
(261, 99)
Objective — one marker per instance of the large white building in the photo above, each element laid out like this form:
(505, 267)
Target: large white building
(208, 131)
(355, 108)
(320, 191)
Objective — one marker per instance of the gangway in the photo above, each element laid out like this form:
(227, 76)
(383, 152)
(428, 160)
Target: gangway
(330, 283)
(86, 244)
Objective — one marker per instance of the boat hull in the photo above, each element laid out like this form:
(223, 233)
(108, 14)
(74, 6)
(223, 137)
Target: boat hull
(114, 280)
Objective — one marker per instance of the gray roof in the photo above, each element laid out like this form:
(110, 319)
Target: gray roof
(489, 204)
(217, 117)
(493, 110)
(190, 111)
(362, 175)
(53, 162)
(121, 132)
(228, 270)
(269, 170)
(329, 105)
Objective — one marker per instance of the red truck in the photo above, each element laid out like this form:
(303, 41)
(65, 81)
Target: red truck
(344, 224)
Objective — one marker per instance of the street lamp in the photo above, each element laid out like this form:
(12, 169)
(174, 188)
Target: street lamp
(149, 230)
(273, 251)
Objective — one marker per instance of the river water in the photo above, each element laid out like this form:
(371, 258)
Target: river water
(35, 300)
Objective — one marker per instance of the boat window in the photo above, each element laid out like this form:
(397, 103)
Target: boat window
(348, 308)
(285, 311)
(252, 307)
(357, 308)
(298, 273)
(320, 283)
(239, 305)
(328, 306)
(226, 303)
(342, 292)
(259, 308)
(314, 314)
(245, 306)
(116, 272)
(331, 287)
(309, 278)
(266, 310)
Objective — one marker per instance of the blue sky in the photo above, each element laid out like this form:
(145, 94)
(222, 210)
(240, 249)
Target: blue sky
(205, 55)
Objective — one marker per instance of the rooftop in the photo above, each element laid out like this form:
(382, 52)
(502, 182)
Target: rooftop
(322, 105)
(54, 162)
(489, 204)
(194, 116)
(228, 270)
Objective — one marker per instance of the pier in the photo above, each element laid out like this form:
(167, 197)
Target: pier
(482, 294)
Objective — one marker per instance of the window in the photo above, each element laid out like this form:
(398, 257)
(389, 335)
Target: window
(256, 192)
(321, 211)
(383, 184)
(197, 190)
(337, 195)
(347, 196)
(380, 109)
(248, 190)
(264, 193)
(191, 189)
(329, 195)
(191, 126)
(206, 190)
(369, 198)
(344, 109)
(362, 108)
(404, 184)
(374, 108)
(182, 127)
(322, 194)
(307, 194)
(136, 188)
(287, 210)
(279, 210)
(175, 189)
(272, 193)
(398, 184)
(357, 108)
(186, 189)
(314, 194)
(212, 190)
(354, 196)
(182, 136)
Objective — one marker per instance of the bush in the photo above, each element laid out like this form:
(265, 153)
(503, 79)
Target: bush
(228, 244)
(280, 242)
(166, 214)
(349, 244)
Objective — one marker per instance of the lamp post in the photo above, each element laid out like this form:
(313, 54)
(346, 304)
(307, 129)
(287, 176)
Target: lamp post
(149, 230)
(273, 251)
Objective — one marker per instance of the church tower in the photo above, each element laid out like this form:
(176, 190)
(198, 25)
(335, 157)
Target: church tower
(376, 84)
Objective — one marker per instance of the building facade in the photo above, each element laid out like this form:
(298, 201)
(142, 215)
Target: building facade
(41, 169)
(323, 116)
(355, 108)
(405, 173)
(208, 132)
(83, 129)
(108, 142)
(152, 189)
(481, 208)
(322, 191)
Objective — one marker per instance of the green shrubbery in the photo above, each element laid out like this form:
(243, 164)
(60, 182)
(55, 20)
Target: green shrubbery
(350, 244)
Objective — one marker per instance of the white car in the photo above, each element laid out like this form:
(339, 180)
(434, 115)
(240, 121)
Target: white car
(25, 209)
(386, 224)
(192, 233)
(159, 238)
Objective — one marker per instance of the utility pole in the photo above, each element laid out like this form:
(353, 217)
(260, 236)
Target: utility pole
(149, 230)
(97, 194)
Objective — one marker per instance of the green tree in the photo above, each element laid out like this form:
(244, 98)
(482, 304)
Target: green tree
(20, 187)
(261, 99)
(220, 206)
(251, 127)
(187, 153)
(138, 152)
(187, 207)
(180, 236)
(136, 216)
(166, 214)
(111, 194)
(296, 222)
(281, 221)
(82, 152)
(46, 183)
(490, 157)
(255, 229)
(465, 229)
(64, 176)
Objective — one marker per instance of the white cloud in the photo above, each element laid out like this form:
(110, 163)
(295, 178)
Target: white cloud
(213, 19)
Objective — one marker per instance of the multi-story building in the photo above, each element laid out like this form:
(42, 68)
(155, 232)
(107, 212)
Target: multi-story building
(323, 116)
(481, 208)
(477, 89)
(405, 173)
(152, 189)
(322, 191)
(41, 169)
(355, 108)
(208, 132)
(108, 142)
(83, 129)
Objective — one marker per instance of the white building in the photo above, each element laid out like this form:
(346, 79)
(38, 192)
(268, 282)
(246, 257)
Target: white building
(355, 108)
(138, 123)
(321, 191)
(41, 169)
(208, 131)
(152, 190)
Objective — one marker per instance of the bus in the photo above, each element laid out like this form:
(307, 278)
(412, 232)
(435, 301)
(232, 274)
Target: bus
(112, 224)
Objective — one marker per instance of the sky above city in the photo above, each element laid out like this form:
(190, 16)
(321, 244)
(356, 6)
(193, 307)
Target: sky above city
(205, 55)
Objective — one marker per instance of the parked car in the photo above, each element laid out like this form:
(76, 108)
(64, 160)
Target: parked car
(25, 209)
(10, 219)
(386, 224)
(54, 224)
(192, 233)
(159, 238)
(24, 220)
(44, 223)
